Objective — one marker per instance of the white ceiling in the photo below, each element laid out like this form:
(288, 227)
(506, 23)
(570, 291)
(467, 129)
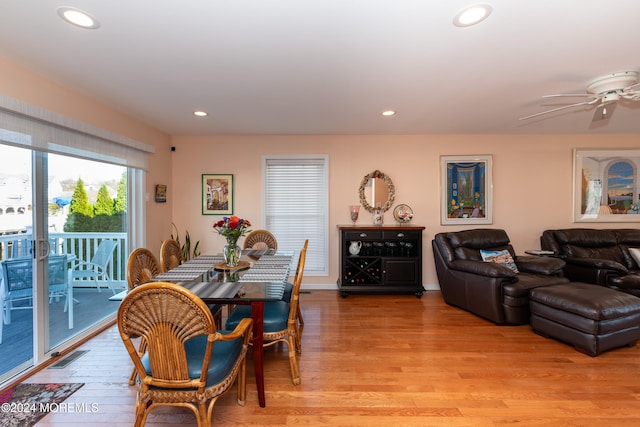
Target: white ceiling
(331, 66)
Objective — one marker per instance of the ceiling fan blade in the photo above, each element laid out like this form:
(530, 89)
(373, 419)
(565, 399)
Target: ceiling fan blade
(631, 87)
(604, 111)
(558, 109)
(573, 95)
(632, 95)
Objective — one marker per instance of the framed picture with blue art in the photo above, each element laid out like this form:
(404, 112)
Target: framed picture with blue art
(466, 188)
(606, 185)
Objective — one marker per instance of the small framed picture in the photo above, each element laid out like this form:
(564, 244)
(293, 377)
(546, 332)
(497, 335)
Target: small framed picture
(466, 190)
(217, 194)
(161, 193)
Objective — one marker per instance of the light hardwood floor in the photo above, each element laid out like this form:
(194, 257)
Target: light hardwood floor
(389, 361)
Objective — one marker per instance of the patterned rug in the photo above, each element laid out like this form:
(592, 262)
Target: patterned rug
(25, 404)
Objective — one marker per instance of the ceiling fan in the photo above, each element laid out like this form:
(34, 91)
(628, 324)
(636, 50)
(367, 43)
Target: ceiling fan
(603, 92)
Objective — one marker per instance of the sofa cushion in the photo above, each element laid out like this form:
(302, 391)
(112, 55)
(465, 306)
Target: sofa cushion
(467, 244)
(479, 238)
(627, 281)
(528, 281)
(502, 257)
(628, 236)
(588, 237)
(613, 253)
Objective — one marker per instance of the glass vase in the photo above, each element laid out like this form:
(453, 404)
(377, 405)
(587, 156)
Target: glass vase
(231, 253)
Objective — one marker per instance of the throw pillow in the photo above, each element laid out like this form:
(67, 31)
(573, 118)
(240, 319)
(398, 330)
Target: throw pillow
(635, 253)
(502, 257)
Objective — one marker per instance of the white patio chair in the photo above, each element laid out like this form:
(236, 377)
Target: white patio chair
(17, 285)
(97, 268)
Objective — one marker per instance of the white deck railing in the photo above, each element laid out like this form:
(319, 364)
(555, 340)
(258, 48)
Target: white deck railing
(80, 245)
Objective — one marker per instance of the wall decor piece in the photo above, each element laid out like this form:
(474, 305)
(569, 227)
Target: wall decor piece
(403, 213)
(466, 187)
(606, 185)
(217, 194)
(161, 193)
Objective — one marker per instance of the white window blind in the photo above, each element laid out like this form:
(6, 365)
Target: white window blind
(296, 206)
(33, 127)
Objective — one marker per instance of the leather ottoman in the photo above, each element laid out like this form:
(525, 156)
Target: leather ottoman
(592, 318)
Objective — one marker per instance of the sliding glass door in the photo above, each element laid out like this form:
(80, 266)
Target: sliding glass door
(16, 261)
(63, 226)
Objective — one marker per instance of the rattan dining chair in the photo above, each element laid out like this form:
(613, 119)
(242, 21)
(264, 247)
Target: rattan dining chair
(289, 289)
(280, 320)
(188, 363)
(142, 266)
(170, 255)
(260, 239)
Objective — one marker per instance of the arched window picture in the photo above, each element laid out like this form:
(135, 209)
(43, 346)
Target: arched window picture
(466, 190)
(606, 186)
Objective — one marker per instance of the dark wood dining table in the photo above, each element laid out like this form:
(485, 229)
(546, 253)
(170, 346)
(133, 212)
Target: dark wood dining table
(250, 285)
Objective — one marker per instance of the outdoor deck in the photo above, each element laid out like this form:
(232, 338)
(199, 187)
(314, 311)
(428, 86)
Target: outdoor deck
(17, 341)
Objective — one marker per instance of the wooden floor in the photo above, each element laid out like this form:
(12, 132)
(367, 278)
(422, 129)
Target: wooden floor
(389, 361)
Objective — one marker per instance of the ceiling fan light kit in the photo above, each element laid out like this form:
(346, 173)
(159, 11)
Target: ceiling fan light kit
(604, 91)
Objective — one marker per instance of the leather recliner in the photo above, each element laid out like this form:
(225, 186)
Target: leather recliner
(601, 257)
(486, 289)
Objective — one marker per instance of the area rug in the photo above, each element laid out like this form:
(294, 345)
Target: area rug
(25, 404)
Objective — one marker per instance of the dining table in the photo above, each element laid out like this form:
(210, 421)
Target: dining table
(260, 277)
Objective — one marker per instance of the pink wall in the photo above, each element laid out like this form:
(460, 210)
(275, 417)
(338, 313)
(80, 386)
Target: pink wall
(532, 180)
(21, 83)
(532, 174)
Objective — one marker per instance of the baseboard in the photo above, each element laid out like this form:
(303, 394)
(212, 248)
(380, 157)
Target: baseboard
(334, 287)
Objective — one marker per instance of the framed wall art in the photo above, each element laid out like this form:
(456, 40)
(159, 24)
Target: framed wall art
(466, 187)
(217, 194)
(606, 185)
(161, 193)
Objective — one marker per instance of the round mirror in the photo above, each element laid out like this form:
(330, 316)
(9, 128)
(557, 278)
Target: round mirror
(380, 191)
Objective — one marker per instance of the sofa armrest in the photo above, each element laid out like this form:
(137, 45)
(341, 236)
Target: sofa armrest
(599, 263)
(482, 268)
(540, 265)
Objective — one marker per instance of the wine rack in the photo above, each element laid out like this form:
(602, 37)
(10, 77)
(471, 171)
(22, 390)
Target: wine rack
(386, 259)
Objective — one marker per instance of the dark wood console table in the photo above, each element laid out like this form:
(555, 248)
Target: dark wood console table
(389, 259)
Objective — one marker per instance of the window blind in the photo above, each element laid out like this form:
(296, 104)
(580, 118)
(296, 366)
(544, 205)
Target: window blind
(296, 206)
(28, 126)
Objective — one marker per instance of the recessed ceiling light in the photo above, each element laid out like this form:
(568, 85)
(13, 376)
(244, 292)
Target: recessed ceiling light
(200, 113)
(389, 113)
(472, 14)
(78, 18)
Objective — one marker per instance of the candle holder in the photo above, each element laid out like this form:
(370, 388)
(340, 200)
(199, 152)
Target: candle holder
(354, 210)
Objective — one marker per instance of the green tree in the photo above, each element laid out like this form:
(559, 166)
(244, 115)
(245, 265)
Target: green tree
(80, 200)
(121, 197)
(104, 202)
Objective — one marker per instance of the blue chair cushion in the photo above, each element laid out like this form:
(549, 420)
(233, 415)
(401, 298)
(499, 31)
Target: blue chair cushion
(225, 354)
(214, 309)
(276, 315)
(288, 289)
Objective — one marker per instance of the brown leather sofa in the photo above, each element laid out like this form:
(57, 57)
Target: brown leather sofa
(490, 290)
(596, 256)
